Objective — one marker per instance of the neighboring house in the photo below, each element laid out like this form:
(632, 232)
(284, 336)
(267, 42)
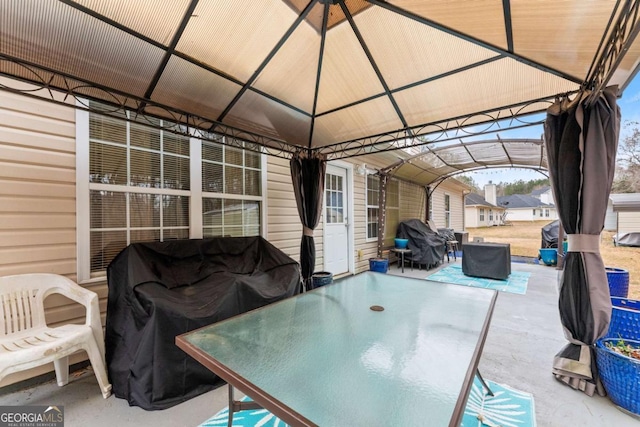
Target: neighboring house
(478, 212)
(623, 213)
(544, 194)
(78, 187)
(521, 207)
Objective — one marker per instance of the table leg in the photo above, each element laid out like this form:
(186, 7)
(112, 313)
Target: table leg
(484, 384)
(237, 406)
(402, 256)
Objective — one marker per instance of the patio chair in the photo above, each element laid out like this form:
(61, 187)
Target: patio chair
(27, 342)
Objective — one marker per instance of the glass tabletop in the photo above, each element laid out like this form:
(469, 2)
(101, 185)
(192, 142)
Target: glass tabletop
(328, 356)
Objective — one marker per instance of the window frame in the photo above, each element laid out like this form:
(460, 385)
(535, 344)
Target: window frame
(195, 194)
(447, 210)
(369, 206)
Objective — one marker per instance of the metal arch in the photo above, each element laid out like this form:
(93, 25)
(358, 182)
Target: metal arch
(392, 168)
(439, 131)
(506, 153)
(443, 178)
(181, 122)
(622, 36)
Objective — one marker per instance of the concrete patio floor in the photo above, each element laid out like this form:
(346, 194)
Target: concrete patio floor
(524, 335)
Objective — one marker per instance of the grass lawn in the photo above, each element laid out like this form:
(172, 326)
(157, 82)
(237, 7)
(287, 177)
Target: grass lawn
(525, 240)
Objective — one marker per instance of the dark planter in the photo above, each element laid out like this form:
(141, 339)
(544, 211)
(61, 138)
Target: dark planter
(322, 278)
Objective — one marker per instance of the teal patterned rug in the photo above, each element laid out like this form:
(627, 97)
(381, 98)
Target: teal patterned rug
(507, 408)
(516, 283)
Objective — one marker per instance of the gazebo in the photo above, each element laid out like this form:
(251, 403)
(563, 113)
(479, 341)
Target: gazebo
(320, 80)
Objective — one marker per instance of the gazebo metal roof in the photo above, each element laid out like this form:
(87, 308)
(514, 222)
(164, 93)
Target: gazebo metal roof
(431, 166)
(339, 77)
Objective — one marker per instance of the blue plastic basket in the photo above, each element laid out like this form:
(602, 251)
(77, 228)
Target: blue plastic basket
(625, 303)
(618, 279)
(625, 319)
(620, 375)
(380, 265)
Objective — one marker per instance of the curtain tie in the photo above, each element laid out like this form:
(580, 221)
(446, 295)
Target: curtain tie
(583, 243)
(306, 231)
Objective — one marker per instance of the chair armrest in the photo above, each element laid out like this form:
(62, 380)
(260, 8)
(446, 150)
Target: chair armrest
(89, 299)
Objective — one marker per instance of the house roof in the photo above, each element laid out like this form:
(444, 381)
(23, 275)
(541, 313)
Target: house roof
(625, 202)
(520, 201)
(340, 77)
(473, 199)
(540, 191)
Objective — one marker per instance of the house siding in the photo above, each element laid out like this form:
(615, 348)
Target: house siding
(628, 222)
(38, 202)
(283, 228)
(456, 200)
(472, 217)
(526, 214)
(611, 218)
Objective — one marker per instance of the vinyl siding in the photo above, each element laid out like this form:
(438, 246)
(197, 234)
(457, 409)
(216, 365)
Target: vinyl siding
(628, 222)
(38, 202)
(456, 208)
(472, 217)
(283, 228)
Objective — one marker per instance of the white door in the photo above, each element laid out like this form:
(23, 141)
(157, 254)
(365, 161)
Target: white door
(336, 244)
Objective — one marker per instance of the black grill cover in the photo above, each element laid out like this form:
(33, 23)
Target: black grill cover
(160, 290)
(427, 246)
(550, 234)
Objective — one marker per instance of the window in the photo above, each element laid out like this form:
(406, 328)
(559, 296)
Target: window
(490, 214)
(334, 203)
(447, 211)
(534, 212)
(231, 191)
(481, 214)
(546, 213)
(373, 209)
(393, 212)
(139, 188)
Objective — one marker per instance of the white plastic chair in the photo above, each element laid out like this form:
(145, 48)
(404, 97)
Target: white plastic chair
(25, 339)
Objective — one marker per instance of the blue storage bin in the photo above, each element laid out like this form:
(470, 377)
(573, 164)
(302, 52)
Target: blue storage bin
(380, 265)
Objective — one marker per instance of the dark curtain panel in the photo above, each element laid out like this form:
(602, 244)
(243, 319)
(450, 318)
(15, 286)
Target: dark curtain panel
(307, 175)
(581, 142)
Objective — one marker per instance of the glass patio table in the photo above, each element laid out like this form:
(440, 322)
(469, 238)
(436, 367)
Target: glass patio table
(330, 357)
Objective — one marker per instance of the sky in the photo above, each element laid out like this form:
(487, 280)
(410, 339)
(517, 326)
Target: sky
(629, 106)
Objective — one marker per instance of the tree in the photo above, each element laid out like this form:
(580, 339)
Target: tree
(522, 187)
(470, 182)
(627, 175)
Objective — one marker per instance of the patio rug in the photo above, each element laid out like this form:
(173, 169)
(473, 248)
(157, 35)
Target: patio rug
(507, 408)
(516, 283)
